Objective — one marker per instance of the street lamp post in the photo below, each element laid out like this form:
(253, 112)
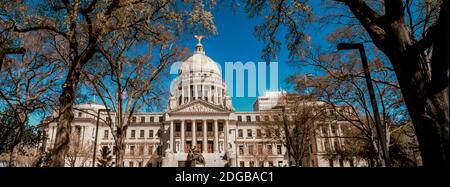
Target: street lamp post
(96, 134)
(373, 101)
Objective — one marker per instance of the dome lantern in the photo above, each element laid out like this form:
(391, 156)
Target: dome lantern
(199, 46)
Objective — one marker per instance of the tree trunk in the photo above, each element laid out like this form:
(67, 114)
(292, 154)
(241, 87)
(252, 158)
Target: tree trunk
(11, 157)
(120, 145)
(427, 107)
(425, 97)
(66, 116)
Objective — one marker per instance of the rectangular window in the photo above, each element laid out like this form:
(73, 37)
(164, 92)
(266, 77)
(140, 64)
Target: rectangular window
(131, 164)
(152, 119)
(142, 119)
(249, 119)
(239, 118)
(80, 114)
(249, 133)
(133, 134)
(220, 127)
(177, 127)
(210, 146)
(327, 145)
(188, 127)
(333, 129)
(269, 149)
(141, 134)
(324, 130)
(257, 119)
(250, 150)
(105, 134)
(161, 119)
(139, 164)
(331, 163)
(141, 150)
(279, 149)
(131, 149)
(199, 127)
(241, 149)
(240, 133)
(210, 127)
(258, 133)
(260, 149)
(133, 119)
(252, 163)
(261, 164)
(270, 164)
(341, 163)
(150, 133)
(241, 164)
(351, 163)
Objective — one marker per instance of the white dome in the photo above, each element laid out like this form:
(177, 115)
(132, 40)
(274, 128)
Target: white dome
(199, 62)
(94, 106)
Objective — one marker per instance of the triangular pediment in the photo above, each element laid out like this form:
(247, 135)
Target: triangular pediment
(199, 106)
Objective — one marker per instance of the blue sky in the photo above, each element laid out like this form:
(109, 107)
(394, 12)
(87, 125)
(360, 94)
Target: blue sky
(235, 42)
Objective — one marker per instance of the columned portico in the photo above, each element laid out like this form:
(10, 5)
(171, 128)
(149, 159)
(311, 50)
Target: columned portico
(186, 133)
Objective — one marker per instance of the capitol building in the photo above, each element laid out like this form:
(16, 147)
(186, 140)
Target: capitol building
(200, 116)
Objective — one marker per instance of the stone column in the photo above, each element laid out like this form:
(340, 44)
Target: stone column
(216, 137)
(194, 135)
(205, 139)
(171, 144)
(225, 131)
(182, 149)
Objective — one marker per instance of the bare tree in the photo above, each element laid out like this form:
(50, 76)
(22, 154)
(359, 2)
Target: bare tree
(87, 25)
(28, 85)
(8, 43)
(129, 83)
(79, 151)
(342, 86)
(415, 42)
(295, 125)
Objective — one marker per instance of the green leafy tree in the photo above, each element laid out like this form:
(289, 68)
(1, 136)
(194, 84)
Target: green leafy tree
(15, 139)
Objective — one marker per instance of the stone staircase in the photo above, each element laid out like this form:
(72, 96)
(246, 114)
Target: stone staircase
(212, 159)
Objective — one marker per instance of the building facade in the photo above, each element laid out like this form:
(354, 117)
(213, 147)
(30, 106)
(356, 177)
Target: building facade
(199, 116)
